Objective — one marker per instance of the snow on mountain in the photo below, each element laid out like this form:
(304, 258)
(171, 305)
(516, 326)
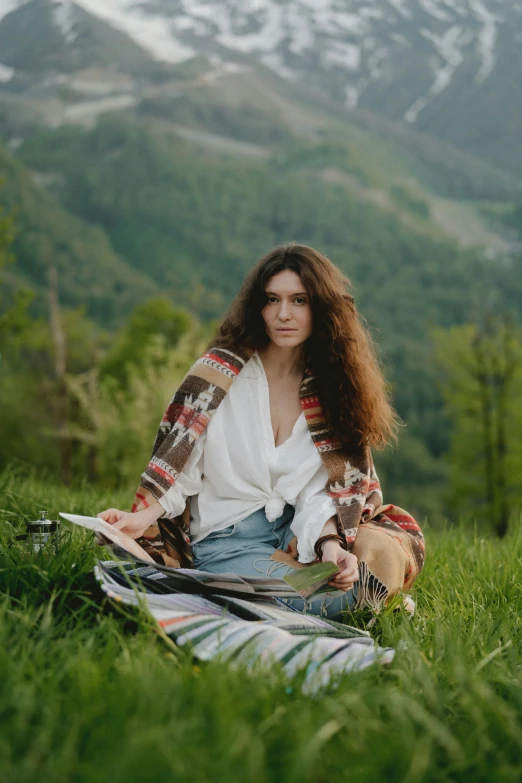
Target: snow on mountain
(486, 39)
(65, 19)
(153, 32)
(450, 46)
(6, 73)
(410, 60)
(358, 41)
(6, 6)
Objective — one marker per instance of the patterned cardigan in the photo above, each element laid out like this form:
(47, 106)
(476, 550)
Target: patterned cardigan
(352, 481)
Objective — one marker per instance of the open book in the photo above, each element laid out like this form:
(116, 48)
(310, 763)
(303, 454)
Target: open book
(303, 583)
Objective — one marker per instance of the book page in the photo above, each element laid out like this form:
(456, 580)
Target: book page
(309, 581)
(98, 525)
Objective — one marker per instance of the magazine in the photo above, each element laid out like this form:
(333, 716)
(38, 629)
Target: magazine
(302, 583)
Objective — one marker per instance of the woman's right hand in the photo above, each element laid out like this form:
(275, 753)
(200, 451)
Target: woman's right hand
(132, 524)
(347, 563)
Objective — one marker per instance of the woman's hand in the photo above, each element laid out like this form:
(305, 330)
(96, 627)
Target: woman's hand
(347, 563)
(134, 525)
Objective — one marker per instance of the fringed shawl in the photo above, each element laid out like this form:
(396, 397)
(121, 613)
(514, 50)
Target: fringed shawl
(352, 481)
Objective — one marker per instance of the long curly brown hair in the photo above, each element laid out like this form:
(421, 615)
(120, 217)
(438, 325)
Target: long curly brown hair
(340, 351)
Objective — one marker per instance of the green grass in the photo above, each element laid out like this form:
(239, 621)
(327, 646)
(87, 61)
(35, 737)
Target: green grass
(90, 694)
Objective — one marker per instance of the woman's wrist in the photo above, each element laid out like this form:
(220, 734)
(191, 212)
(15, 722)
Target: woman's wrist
(151, 513)
(330, 538)
(331, 546)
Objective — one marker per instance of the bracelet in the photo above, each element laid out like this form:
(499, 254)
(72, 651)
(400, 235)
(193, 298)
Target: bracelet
(318, 548)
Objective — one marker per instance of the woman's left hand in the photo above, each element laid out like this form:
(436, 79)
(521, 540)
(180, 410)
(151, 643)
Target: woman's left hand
(347, 563)
(133, 524)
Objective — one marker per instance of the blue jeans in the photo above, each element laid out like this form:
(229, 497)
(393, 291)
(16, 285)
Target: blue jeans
(246, 548)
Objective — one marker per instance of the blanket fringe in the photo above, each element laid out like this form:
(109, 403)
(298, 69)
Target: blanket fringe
(370, 592)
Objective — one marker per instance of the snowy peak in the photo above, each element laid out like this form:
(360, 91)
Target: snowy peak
(444, 66)
(344, 46)
(349, 48)
(60, 36)
(152, 30)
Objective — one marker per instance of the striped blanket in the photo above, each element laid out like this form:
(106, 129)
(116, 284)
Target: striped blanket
(242, 632)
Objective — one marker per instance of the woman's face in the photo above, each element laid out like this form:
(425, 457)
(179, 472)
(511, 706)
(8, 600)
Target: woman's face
(287, 313)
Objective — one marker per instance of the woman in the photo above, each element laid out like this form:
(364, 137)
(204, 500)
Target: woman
(269, 436)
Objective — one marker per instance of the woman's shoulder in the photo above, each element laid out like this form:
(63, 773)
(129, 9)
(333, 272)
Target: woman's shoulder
(229, 361)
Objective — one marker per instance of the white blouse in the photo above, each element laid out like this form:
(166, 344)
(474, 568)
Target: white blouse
(235, 468)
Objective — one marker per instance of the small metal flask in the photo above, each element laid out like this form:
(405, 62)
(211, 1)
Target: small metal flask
(43, 535)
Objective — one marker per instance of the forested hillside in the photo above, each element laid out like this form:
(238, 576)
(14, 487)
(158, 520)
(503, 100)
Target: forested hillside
(91, 274)
(170, 217)
(182, 215)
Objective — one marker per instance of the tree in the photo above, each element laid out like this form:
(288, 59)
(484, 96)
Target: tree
(13, 315)
(119, 422)
(35, 357)
(482, 386)
(155, 317)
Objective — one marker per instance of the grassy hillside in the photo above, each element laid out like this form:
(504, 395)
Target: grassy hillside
(91, 694)
(440, 167)
(391, 149)
(410, 173)
(91, 274)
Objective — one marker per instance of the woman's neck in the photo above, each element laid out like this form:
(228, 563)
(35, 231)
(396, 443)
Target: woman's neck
(282, 362)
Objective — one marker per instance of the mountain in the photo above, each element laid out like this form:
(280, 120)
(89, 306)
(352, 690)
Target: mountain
(232, 104)
(225, 69)
(448, 68)
(246, 120)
